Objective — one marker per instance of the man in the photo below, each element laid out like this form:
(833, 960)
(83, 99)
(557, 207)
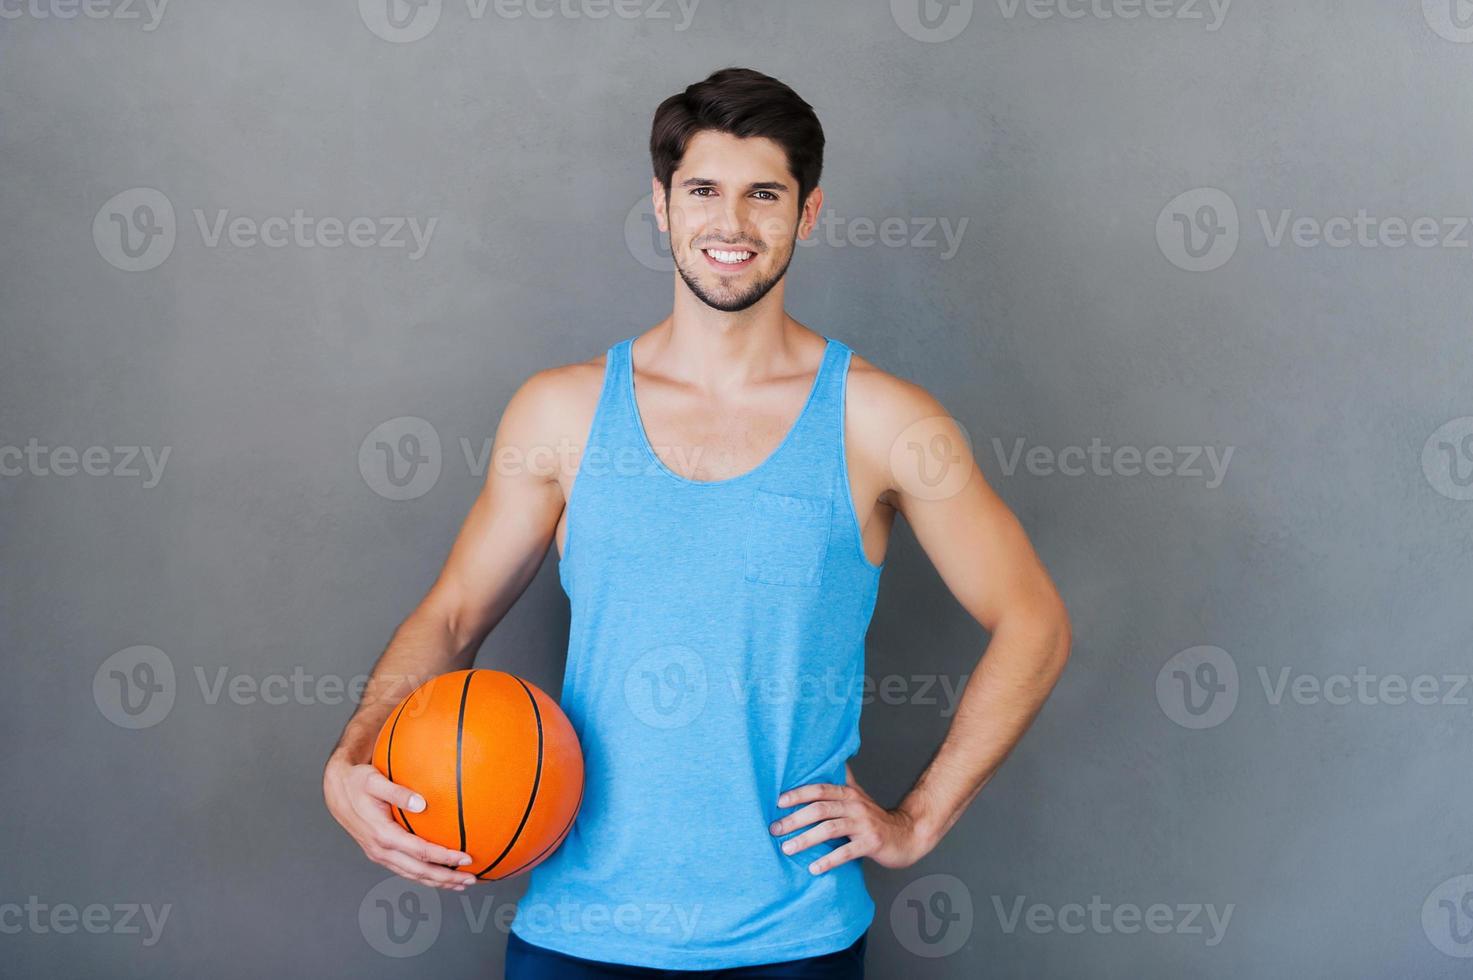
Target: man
(721, 527)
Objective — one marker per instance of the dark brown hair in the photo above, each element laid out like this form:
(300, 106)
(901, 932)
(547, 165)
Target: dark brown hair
(744, 103)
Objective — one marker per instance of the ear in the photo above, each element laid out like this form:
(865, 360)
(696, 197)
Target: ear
(808, 217)
(657, 197)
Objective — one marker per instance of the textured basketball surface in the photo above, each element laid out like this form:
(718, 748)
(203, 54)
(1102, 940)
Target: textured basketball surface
(497, 762)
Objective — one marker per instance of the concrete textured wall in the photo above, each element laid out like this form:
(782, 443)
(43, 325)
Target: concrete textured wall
(1194, 276)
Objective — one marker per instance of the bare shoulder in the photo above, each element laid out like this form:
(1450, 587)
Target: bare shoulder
(884, 413)
(554, 406)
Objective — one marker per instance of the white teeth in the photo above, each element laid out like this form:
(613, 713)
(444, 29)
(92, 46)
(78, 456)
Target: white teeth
(728, 257)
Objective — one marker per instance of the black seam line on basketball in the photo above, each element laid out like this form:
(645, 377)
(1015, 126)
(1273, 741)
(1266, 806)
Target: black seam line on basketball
(536, 781)
(459, 740)
(389, 760)
(555, 841)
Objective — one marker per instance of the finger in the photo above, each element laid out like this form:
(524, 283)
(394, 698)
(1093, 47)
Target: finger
(812, 791)
(827, 830)
(391, 836)
(430, 874)
(812, 813)
(398, 863)
(409, 875)
(836, 857)
(379, 787)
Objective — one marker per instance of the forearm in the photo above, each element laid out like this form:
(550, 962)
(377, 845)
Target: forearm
(1004, 694)
(424, 646)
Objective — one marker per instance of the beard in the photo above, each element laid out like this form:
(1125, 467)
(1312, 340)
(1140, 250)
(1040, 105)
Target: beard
(729, 302)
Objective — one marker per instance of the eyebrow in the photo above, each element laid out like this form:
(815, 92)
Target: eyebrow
(761, 185)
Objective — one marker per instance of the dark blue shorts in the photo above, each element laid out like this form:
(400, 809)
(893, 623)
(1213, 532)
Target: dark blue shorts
(527, 961)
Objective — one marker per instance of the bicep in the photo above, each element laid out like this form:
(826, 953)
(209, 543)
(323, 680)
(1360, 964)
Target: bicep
(980, 549)
(505, 536)
(976, 543)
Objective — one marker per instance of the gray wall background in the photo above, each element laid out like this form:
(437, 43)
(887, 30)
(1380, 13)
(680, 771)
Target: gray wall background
(1079, 151)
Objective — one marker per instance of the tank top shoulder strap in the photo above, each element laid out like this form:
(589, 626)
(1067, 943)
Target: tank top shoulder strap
(825, 406)
(828, 396)
(809, 457)
(609, 428)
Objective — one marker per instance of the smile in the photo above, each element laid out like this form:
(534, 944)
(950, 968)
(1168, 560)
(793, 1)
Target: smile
(728, 260)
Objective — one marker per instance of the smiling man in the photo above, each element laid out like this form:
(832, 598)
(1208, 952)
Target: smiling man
(721, 536)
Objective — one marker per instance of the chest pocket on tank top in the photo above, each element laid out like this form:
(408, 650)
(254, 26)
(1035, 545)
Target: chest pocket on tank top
(787, 539)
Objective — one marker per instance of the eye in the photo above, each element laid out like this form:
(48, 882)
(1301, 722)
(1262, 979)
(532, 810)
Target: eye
(770, 196)
(697, 190)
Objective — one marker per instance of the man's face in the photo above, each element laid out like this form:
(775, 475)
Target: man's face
(733, 218)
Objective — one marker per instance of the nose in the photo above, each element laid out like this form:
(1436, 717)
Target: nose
(727, 221)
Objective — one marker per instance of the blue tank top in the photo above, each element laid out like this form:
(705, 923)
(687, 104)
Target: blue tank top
(715, 660)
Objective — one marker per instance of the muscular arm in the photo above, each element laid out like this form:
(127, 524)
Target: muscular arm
(985, 559)
(498, 550)
(909, 456)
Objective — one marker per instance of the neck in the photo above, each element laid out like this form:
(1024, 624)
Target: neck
(718, 351)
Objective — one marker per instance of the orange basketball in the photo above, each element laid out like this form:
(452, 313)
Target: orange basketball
(498, 765)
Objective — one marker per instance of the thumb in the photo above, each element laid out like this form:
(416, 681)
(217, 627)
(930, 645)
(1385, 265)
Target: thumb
(403, 797)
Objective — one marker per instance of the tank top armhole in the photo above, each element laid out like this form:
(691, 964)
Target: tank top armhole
(600, 411)
(846, 486)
